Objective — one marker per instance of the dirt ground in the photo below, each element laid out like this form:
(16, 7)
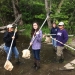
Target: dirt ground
(48, 64)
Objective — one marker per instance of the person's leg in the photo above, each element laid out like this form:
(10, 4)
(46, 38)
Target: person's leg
(6, 49)
(37, 52)
(62, 56)
(34, 55)
(59, 53)
(55, 44)
(15, 51)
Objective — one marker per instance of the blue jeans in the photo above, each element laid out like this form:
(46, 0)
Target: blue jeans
(54, 42)
(36, 54)
(13, 49)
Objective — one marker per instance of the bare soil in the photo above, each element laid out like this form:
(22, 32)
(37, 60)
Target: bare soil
(48, 64)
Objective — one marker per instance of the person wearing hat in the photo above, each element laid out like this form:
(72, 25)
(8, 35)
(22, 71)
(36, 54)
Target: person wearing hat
(61, 36)
(8, 36)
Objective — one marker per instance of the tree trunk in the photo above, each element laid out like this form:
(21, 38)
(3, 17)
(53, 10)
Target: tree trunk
(47, 12)
(58, 9)
(15, 22)
(17, 11)
(14, 8)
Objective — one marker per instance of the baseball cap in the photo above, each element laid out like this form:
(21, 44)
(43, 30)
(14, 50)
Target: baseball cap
(61, 23)
(9, 26)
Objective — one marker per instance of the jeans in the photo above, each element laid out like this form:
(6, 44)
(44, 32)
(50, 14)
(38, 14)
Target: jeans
(13, 49)
(54, 42)
(36, 54)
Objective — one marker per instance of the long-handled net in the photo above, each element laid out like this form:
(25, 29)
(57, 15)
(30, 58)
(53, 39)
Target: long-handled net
(8, 65)
(26, 52)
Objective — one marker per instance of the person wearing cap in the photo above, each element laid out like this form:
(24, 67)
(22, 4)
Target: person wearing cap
(8, 37)
(61, 36)
(53, 31)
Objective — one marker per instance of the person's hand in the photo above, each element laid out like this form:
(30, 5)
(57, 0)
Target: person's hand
(13, 37)
(61, 43)
(50, 36)
(37, 32)
(30, 43)
(54, 38)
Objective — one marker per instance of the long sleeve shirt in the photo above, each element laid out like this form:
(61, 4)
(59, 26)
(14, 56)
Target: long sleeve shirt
(62, 36)
(8, 38)
(36, 41)
(54, 31)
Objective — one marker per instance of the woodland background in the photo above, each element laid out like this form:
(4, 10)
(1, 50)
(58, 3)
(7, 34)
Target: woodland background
(36, 10)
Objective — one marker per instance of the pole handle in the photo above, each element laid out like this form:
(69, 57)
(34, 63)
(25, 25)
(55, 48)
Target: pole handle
(64, 44)
(11, 44)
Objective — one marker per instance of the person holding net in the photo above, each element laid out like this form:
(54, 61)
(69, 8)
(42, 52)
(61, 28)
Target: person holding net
(8, 37)
(36, 44)
(62, 38)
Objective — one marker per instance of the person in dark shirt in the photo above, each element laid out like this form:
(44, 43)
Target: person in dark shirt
(53, 33)
(8, 37)
(62, 36)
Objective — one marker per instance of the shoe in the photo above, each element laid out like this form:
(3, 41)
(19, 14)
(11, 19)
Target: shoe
(61, 60)
(37, 68)
(54, 50)
(17, 61)
(35, 65)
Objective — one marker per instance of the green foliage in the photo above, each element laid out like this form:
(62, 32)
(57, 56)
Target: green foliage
(28, 27)
(34, 10)
(41, 16)
(31, 10)
(6, 11)
(46, 30)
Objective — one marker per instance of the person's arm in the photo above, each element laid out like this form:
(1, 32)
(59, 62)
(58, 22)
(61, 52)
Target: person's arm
(39, 36)
(7, 38)
(65, 36)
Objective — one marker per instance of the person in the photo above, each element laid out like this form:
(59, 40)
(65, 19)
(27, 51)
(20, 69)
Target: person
(62, 36)
(8, 37)
(36, 44)
(53, 33)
